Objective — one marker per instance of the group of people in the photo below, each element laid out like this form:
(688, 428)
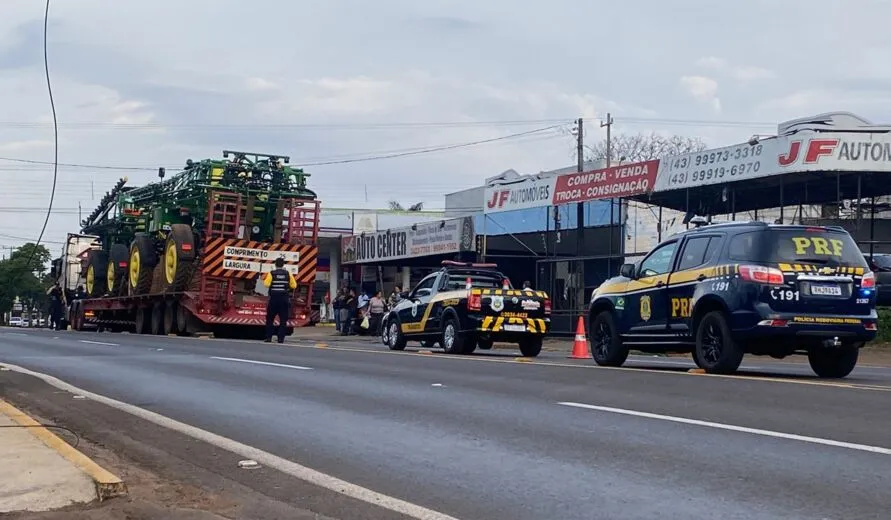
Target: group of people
(360, 313)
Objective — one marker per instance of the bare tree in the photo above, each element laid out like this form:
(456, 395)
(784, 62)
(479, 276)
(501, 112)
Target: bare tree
(644, 147)
(395, 205)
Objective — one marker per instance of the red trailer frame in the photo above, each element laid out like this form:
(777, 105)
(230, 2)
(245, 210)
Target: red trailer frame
(216, 300)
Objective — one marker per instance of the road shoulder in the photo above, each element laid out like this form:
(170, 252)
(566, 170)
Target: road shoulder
(169, 475)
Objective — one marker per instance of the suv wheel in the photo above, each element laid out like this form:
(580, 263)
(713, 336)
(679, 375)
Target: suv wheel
(531, 347)
(606, 345)
(394, 336)
(833, 363)
(452, 339)
(716, 351)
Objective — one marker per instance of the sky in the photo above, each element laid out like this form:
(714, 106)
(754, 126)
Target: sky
(155, 83)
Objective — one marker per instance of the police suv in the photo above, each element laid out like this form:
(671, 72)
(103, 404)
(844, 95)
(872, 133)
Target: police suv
(724, 290)
(465, 306)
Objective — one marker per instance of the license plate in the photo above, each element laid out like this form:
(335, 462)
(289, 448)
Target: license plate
(826, 290)
(515, 328)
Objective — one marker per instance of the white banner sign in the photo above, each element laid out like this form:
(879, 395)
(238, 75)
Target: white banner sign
(255, 267)
(528, 193)
(260, 254)
(797, 153)
(430, 238)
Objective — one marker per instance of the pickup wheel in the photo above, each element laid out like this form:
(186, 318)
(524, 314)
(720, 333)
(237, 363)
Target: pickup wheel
(833, 363)
(531, 346)
(716, 350)
(395, 339)
(607, 348)
(453, 342)
(484, 344)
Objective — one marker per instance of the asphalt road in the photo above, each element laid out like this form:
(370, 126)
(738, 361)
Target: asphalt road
(491, 438)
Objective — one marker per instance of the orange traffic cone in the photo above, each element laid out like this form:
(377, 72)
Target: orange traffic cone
(580, 345)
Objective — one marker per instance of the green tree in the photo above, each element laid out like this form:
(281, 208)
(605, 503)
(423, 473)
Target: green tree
(24, 275)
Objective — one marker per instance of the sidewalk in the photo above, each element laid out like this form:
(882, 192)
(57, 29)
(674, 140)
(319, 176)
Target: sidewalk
(41, 472)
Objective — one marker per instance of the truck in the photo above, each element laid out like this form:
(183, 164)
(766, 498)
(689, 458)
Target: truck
(465, 306)
(183, 255)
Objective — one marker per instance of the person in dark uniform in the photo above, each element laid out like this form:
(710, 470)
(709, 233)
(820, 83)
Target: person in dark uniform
(55, 296)
(280, 283)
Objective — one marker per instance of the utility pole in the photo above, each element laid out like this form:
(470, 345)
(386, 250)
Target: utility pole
(609, 155)
(580, 207)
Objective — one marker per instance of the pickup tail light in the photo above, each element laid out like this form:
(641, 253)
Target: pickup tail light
(547, 307)
(474, 302)
(468, 284)
(868, 281)
(761, 274)
(871, 325)
(505, 284)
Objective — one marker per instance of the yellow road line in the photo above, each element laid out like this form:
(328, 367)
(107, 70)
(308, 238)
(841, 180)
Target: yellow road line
(107, 484)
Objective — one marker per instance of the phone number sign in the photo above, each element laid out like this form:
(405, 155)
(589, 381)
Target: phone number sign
(729, 164)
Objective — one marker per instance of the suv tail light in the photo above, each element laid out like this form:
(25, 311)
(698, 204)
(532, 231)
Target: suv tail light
(505, 284)
(547, 307)
(868, 281)
(761, 274)
(474, 302)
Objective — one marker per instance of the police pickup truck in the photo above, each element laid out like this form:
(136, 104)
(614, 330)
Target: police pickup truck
(466, 306)
(725, 290)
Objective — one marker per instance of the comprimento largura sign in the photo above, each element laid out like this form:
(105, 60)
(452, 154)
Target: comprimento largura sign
(431, 238)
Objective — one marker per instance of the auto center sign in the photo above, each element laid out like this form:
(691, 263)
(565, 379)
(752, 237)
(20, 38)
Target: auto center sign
(429, 238)
(830, 142)
(614, 182)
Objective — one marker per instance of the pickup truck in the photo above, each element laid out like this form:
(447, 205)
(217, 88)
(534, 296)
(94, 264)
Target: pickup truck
(466, 306)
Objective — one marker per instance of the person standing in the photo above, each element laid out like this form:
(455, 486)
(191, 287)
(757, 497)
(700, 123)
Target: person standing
(55, 295)
(376, 312)
(280, 283)
(349, 309)
(395, 297)
(338, 306)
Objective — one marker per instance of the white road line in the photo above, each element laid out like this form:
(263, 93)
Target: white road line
(14, 334)
(295, 367)
(731, 427)
(288, 467)
(99, 343)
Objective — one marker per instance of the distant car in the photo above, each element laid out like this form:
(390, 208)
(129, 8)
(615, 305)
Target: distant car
(726, 290)
(881, 266)
(16, 321)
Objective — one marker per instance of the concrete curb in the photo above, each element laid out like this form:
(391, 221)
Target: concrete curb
(108, 485)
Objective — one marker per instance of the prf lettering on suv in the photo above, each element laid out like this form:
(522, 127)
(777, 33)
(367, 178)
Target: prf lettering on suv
(721, 291)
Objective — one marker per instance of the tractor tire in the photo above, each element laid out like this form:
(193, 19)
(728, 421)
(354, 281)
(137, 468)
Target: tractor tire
(143, 259)
(116, 274)
(97, 265)
(179, 254)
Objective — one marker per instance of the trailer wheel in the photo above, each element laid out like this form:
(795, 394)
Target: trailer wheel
(97, 265)
(179, 253)
(170, 312)
(157, 320)
(116, 274)
(182, 320)
(142, 319)
(143, 260)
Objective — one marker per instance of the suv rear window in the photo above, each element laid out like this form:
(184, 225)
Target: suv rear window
(812, 246)
(458, 281)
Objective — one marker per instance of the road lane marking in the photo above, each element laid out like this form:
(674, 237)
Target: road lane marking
(14, 334)
(99, 343)
(239, 360)
(731, 427)
(286, 466)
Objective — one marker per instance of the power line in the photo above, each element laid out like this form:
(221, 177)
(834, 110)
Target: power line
(279, 126)
(366, 156)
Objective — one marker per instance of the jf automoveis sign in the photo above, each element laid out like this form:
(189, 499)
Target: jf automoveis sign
(430, 238)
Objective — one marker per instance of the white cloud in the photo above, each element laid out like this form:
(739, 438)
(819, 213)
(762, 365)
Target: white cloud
(712, 62)
(734, 70)
(702, 88)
